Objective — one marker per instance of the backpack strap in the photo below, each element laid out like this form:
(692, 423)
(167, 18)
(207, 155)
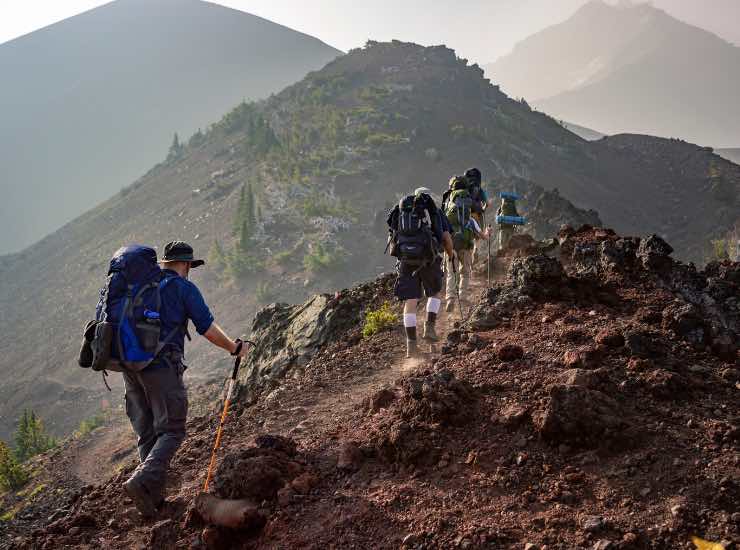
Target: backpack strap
(162, 284)
(124, 311)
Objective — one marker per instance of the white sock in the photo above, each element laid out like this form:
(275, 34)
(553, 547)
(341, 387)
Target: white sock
(433, 305)
(409, 319)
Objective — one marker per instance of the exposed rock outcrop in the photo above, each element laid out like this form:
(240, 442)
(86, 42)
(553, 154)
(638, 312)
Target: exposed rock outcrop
(288, 336)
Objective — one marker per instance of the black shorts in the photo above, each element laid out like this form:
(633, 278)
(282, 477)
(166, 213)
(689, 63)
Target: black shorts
(429, 279)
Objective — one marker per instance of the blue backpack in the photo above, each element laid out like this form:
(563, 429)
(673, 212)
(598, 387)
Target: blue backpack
(125, 335)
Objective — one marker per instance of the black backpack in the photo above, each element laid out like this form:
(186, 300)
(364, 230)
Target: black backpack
(412, 236)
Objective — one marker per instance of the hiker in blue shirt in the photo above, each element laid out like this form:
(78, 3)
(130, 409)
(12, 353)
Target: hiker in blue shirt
(156, 397)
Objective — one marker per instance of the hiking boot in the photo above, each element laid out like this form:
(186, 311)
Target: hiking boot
(141, 497)
(410, 342)
(429, 332)
(411, 348)
(450, 305)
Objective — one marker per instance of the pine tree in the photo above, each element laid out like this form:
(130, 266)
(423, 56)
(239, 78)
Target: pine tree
(22, 437)
(216, 256)
(249, 207)
(240, 213)
(12, 473)
(245, 238)
(30, 437)
(175, 149)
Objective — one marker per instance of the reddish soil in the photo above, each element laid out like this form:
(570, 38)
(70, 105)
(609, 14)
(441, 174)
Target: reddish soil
(582, 420)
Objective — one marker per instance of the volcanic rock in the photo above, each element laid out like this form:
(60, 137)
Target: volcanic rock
(579, 416)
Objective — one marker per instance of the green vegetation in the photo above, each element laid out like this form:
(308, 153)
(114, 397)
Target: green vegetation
(264, 292)
(317, 205)
(89, 424)
(378, 139)
(176, 149)
(321, 260)
(241, 261)
(725, 249)
(216, 257)
(10, 514)
(378, 320)
(30, 437)
(12, 474)
(197, 139)
(31, 491)
(479, 133)
(284, 258)
(324, 89)
(259, 137)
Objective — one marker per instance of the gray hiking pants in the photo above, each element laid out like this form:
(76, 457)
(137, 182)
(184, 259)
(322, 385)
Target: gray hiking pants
(157, 406)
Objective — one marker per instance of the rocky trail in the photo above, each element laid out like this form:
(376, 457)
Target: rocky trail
(590, 402)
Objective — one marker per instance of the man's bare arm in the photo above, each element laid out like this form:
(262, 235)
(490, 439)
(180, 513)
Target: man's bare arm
(216, 336)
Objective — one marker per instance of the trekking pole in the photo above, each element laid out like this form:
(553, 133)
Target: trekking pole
(227, 402)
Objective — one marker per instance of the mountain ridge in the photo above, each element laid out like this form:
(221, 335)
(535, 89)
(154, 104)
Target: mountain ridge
(99, 94)
(326, 157)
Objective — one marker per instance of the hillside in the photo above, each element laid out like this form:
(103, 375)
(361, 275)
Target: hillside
(326, 157)
(732, 154)
(589, 402)
(90, 103)
(629, 68)
(586, 133)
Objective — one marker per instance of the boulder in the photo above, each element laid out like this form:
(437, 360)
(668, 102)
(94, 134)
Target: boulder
(350, 457)
(436, 397)
(609, 337)
(584, 357)
(654, 253)
(289, 336)
(163, 534)
(580, 377)
(645, 344)
(687, 322)
(256, 473)
(510, 352)
(537, 276)
(579, 416)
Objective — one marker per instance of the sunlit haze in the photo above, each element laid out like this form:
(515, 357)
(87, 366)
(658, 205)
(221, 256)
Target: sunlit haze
(480, 30)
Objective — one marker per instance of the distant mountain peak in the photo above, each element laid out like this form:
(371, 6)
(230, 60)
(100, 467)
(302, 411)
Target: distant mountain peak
(629, 67)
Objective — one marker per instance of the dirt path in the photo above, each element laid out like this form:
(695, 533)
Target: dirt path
(322, 410)
(97, 457)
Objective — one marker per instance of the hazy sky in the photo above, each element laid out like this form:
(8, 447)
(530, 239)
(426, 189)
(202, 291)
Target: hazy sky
(479, 30)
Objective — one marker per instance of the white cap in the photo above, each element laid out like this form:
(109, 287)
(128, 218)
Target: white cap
(420, 190)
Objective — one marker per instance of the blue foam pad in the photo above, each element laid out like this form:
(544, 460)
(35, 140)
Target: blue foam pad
(507, 195)
(510, 220)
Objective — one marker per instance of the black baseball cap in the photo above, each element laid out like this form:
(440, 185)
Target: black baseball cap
(179, 251)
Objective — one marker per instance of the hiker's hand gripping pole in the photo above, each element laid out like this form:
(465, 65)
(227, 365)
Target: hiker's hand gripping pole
(227, 402)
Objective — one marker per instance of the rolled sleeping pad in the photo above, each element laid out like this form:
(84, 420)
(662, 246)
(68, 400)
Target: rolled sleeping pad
(507, 195)
(510, 220)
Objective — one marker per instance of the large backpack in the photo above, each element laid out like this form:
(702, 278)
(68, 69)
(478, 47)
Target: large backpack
(125, 335)
(476, 195)
(458, 211)
(412, 238)
(508, 207)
